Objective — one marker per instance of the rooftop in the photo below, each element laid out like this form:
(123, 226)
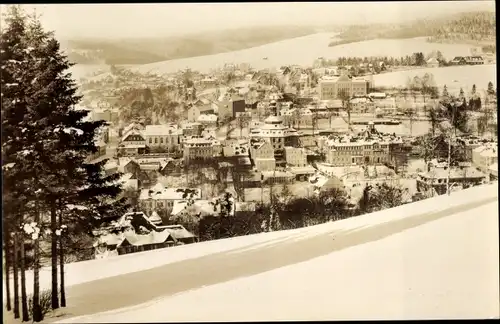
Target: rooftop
(162, 130)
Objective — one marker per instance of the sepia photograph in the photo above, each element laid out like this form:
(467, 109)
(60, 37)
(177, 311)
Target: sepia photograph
(251, 161)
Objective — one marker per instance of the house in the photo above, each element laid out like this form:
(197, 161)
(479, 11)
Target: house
(128, 165)
(166, 136)
(262, 154)
(132, 143)
(129, 181)
(208, 81)
(474, 60)
(160, 198)
(458, 60)
(199, 108)
(432, 62)
(484, 156)
(198, 148)
(467, 60)
(362, 105)
(101, 151)
(435, 178)
(192, 129)
(170, 167)
(135, 232)
(295, 156)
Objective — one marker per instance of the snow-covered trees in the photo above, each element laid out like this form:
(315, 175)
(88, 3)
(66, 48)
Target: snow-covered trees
(45, 146)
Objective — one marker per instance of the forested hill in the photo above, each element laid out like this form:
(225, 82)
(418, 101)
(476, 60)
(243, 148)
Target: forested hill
(478, 26)
(150, 50)
(473, 26)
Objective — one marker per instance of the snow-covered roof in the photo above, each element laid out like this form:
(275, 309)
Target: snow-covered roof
(162, 130)
(152, 237)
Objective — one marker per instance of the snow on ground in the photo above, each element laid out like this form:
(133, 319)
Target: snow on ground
(454, 77)
(303, 51)
(447, 268)
(85, 271)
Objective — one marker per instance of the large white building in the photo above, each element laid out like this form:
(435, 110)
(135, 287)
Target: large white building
(367, 148)
(163, 136)
(332, 87)
(275, 132)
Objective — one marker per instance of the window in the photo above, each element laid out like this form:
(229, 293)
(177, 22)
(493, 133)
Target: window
(161, 140)
(150, 140)
(156, 140)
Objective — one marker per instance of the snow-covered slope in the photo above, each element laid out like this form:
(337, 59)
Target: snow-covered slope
(444, 268)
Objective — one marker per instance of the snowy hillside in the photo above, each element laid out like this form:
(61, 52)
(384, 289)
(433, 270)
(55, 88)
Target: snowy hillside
(420, 260)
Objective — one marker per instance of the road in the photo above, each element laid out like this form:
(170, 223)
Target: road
(139, 287)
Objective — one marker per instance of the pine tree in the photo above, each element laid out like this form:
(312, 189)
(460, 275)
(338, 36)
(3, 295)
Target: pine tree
(13, 104)
(46, 139)
(490, 90)
(462, 95)
(445, 91)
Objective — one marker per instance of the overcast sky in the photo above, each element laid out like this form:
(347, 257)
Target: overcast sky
(150, 20)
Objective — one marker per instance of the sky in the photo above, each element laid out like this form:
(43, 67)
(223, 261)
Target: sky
(154, 20)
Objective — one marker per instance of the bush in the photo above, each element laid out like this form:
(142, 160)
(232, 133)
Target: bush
(45, 303)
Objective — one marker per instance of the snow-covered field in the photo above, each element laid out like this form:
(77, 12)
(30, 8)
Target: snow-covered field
(454, 77)
(85, 271)
(447, 268)
(435, 271)
(304, 50)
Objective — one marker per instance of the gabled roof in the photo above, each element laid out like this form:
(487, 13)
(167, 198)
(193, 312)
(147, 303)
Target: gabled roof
(132, 132)
(153, 237)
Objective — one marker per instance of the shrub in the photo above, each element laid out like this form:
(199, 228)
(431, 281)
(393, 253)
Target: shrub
(45, 303)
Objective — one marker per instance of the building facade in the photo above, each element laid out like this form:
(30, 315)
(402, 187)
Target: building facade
(295, 156)
(262, 154)
(167, 136)
(332, 87)
(198, 148)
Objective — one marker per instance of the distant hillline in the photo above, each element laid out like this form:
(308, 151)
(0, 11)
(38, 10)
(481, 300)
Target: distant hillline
(465, 27)
(151, 50)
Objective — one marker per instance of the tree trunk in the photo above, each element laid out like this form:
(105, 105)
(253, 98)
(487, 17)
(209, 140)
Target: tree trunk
(61, 261)
(16, 275)
(53, 254)
(24, 297)
(37, 311)
(7, 252)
